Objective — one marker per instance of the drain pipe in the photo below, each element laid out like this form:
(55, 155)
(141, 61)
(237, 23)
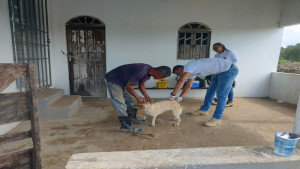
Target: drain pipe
(297, 119)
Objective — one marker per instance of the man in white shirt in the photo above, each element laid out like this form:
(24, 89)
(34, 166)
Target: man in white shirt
(224, 74)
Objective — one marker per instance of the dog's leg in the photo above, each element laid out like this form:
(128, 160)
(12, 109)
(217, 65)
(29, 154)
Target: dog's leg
(153, 121)
(178, 121)
(174, 114)
(145, 116)
(177, 116)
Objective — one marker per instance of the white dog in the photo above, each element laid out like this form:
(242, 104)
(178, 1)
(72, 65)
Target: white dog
(157, 108)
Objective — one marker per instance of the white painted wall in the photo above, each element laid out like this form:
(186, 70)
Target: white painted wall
(285, 87)
(290, 13)
(146, 31)
(6, 53)
(6, 50)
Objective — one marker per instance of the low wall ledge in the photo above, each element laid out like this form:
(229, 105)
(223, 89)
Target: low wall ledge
(204, 158)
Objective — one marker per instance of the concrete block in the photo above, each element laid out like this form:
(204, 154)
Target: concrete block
(47, 97)
(261, 157)
(63, 108)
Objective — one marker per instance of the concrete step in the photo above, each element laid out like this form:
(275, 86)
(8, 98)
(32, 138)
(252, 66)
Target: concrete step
(47, 96)
(53, 104)
(64, 107)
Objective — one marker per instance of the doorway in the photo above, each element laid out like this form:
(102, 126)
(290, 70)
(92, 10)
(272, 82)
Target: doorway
(86, 56)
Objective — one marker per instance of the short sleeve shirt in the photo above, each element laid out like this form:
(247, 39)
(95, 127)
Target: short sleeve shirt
(207, 66)
(135, 73)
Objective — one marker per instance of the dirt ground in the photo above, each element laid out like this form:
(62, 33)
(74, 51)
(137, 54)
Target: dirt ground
(95, 128)
(291, 67)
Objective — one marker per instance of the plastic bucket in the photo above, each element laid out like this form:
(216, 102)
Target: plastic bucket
(285, 143)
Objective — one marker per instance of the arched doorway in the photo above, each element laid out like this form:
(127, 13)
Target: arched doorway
(86, 52)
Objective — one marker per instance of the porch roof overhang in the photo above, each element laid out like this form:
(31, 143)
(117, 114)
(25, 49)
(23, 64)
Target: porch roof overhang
(290, 13)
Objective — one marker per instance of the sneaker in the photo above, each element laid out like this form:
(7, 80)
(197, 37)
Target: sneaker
(213, 122)
(199, 112)
(214, 101)
(229, 104)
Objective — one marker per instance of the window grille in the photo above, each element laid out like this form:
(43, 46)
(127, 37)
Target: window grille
(30, 37)
(193, 41)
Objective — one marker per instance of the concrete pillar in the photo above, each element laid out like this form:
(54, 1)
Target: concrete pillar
(297, 119)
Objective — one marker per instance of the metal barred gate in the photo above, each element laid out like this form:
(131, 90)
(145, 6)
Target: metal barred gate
(86, 56)
(30, 38)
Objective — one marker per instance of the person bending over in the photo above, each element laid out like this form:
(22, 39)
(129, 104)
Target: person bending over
(121, 82)
(224, 74)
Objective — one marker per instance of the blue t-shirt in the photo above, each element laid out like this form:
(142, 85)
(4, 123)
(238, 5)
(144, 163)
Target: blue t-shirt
(136, 73)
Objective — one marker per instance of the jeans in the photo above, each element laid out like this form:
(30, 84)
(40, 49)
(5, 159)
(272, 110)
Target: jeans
(230, 95)
(222, 85)
(121, 99)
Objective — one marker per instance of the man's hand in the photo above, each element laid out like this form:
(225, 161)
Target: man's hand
(148, 99)
(179, 99)
(172, 97)
(141, 100)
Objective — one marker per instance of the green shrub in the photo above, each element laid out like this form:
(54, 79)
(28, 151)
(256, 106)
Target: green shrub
(282, 61)
(290, 53)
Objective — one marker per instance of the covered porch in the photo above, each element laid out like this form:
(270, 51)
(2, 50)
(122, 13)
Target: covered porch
(95, 128)
(252, 121)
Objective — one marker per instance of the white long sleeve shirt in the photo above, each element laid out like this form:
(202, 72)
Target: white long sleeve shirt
(228, 55)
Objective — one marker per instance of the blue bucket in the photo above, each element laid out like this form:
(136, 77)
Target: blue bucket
(285, 143)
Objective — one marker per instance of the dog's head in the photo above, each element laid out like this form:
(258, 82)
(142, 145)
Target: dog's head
(144, 106)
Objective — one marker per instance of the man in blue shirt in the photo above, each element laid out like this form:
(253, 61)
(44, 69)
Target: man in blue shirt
(121, 82)
(224, 74)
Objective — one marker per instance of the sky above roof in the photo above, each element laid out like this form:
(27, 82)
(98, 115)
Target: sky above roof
(291, 35)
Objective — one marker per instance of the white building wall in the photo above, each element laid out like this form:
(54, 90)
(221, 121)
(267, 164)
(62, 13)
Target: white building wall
(6, 51)
(146, 31)
(6, 54)
(285, 87)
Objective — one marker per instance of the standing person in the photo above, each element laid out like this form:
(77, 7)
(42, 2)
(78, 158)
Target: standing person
(224, 74)
(224, 53)
(229, 102)
(120, 84)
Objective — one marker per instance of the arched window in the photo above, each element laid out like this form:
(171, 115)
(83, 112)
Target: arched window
(193, 41)
(85, 21)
